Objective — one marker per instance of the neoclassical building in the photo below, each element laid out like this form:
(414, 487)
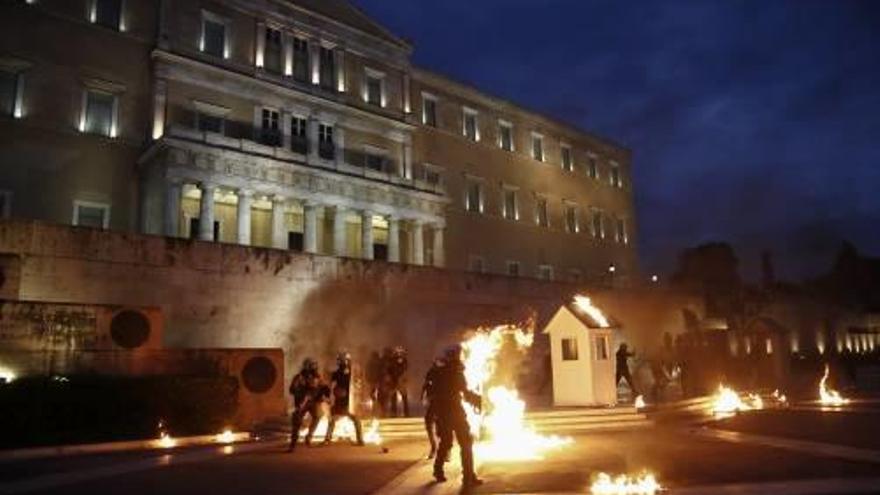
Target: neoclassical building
(299, 125)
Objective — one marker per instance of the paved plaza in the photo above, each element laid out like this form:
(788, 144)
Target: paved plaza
(769, 452)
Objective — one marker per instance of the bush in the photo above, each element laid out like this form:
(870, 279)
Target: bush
(82, 409)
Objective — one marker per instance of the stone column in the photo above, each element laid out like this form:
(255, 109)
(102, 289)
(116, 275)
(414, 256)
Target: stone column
(340, 70)
(206, 212)
(439, 254)
(279, 232)
(367, 235)
(310, 227)
(288, 54)
(339, 142)
(405, 169)
(244, 217)
(339, 232)
(315, 60)
(418, 243)
(393, 239)
(160, 97)
(312, 134)
(173, 191)
(259, 56)
(407, 105)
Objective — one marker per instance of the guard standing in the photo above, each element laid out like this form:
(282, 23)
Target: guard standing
(340, 397)
(397, 376)
(306, 391)
(449, 388)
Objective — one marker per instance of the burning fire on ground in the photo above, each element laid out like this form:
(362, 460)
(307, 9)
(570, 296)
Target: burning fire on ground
(501, 424)
(643, 484)
(640, 402)
(728, 402)
(829, 396)
(344, 430)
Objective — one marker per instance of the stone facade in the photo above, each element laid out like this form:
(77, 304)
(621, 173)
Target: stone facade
(299, 126)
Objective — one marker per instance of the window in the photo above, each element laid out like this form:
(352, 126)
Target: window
(470, 126)
(593, 167)
(474, 196)
(432, 175)
(538, 147)
(326, 148)
(542, 217)
(210, 123)
(569, 349)
(567, 161)
(299, 142)
(107, 13)
(476, 263)
(11, 86)
(571, 219)
(214, 36)
(300, 60)
(598, 225)
(513, 268)
(99, 115)
(509, 202)
(328, 68)
(620, 231)
(374, 90)
(545, 272)
(601, 343)
(505, 135)
(375, 161)
(270, 130)
(273, 51)
(429, 110)
(89, 214)
(614, 177)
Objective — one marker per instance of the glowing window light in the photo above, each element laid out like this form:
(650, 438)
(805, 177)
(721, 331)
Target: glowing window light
(795, 343)
(768, 346)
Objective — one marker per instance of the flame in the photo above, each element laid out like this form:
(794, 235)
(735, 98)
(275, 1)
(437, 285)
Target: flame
(166, 441)
(727, 401)
(584, 304)
(226, 437)
(372, 436)
(640, 402)
(780, 397)
(757, 401)
(643, 484)
(506, 435)
(7, 375)
(828, 396)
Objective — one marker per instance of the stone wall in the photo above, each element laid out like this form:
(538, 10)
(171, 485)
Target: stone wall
(226, 296)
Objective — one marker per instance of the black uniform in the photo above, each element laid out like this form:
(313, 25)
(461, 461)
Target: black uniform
(340, 390)
(306, 391)
(430, 410)
(396, 370)
(623, 369)
(449, 387)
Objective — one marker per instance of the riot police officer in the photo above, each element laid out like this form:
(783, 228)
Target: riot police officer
(396, 373)
(306, 391)
(449, 388)
(340, 397)
(430, 406)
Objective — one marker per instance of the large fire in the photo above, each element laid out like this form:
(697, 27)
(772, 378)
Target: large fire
(829, 396)
(584, 304)
(501, 423)
(643, 484)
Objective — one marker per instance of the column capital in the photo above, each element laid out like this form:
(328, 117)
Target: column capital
(244, 193)
(207, 185)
